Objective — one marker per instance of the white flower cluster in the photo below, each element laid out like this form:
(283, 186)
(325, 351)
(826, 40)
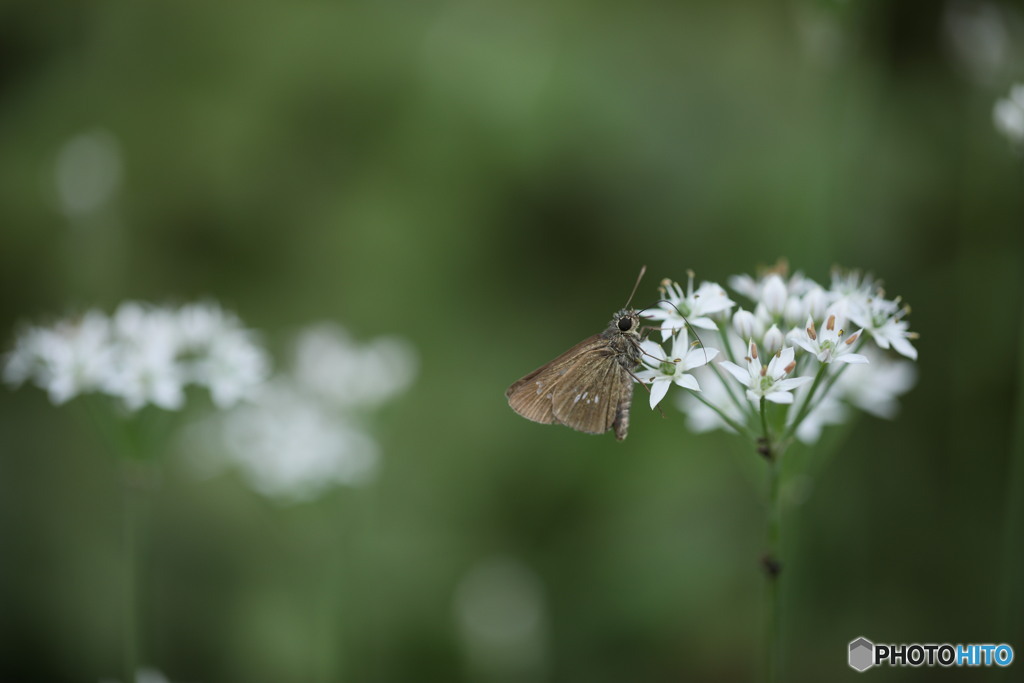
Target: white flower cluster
(141, 355)
(1008, 115)
(305, 431)
(792, 347)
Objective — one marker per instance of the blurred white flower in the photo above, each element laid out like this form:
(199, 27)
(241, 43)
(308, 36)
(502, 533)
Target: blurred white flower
(142, 355)
(87, 172)
(329, 363)
(827, 410)
(72, 357)
(304, 432)
(875, 388)
(1008, 115)
(290, 445)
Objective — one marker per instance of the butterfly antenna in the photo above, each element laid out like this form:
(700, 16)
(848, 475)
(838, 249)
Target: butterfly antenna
(666, 301)
(643, 269)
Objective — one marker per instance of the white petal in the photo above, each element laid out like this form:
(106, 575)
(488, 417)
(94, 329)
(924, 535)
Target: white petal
(703, 322)
(804, 343)
(658, 390)
(904, 348)
(696, 358)
(779, 397)
(791, 383)
(736, 371)
(653, 349)
(687, 382)
(851, 358)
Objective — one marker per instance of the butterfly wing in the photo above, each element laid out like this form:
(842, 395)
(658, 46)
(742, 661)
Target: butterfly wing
(594, 394)
(532, 395)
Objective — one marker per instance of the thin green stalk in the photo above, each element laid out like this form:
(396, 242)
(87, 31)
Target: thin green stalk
(805, 407)
(744, 406)
(740, 429)
(772, 564)
(130, 602)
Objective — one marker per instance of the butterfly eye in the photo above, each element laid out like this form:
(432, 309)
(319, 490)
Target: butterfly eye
(625, 324)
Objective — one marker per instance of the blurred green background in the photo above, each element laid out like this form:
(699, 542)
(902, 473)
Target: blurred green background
(486, 179)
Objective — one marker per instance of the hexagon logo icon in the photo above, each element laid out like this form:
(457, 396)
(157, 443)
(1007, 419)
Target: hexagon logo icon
(862, 654)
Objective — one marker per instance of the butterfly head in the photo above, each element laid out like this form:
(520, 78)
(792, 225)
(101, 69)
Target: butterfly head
(626, 321)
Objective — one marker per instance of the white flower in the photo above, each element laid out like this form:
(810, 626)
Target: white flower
(768, 382)
(147, 371)
(754, 289)
(143, 355)
(1008, 115)
(828, 345)
(71, 358)
(883, 320)
(695, 307)
(232, 368)
(674, 369)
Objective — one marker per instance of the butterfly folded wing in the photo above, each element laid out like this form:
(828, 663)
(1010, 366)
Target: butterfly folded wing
(531, 396)
(594, 395)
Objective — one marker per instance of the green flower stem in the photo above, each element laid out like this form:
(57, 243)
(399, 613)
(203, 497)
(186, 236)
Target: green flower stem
(133, 483)
(740, 429)
(772, 565)
(723, 330)
(805, 407)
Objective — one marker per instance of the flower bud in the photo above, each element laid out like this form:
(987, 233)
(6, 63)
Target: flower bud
(746, 324)
(773, 339)
(774, 294)
(794, 312)
(815, 303)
